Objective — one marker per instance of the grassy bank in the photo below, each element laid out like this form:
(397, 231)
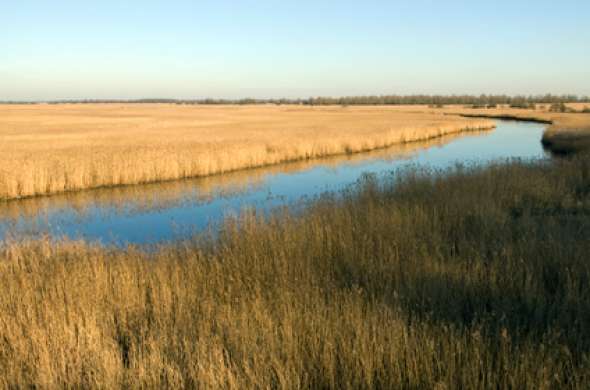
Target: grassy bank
(48, 149)
(568, 132)
(474, 280)
(161, 195)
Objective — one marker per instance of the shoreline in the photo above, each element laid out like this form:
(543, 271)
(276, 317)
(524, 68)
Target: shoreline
(461, 262)
(490, 127)
(212, 150)
(567, 133)
(508, 117)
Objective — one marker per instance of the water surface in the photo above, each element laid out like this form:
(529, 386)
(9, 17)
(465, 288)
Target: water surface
(166, 211)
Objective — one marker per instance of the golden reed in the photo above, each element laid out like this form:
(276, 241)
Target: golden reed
(47, 149)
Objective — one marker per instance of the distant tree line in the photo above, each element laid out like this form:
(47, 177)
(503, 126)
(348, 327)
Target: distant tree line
(518, 101)
(437, 100)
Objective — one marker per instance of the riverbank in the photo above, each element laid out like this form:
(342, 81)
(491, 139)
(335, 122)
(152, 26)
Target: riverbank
(568, 132)
(49, 149)
(477, 278)
(158, 197)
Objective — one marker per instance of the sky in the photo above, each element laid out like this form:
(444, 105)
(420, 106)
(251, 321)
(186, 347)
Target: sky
(262, 49)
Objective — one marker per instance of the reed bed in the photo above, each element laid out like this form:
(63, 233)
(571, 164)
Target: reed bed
(154, 196)
(568, 132)
(475, 279)
(48, 149)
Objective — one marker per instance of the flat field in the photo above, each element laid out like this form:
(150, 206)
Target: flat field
(48, 149)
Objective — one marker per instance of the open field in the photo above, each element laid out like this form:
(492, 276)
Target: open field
(48, 149)
(476, 279)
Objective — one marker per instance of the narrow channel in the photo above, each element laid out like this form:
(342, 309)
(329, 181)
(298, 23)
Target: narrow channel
(156, 213)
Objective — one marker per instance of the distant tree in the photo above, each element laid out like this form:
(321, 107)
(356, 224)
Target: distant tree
(558, 107)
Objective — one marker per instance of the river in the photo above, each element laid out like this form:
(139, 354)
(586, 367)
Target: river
(156, 213)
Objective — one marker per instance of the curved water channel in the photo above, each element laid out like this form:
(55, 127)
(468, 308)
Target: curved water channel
(162, 212)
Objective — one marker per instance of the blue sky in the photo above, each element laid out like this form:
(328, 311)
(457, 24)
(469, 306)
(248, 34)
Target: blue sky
(232, 49)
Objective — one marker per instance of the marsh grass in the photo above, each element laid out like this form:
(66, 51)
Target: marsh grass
(156, 196)
(49, 149)
(568, 131)
(475, 278)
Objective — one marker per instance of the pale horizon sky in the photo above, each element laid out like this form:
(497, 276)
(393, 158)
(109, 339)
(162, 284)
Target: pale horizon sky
(273, 49)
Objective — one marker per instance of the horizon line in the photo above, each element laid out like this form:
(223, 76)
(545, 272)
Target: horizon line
(571, 98)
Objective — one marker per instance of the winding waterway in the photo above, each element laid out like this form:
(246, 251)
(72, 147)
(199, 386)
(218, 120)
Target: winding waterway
(162, 212)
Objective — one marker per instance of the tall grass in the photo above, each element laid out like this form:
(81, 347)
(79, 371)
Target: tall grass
(47, 149)
(130, 199)
(474, 279)
(569, 130)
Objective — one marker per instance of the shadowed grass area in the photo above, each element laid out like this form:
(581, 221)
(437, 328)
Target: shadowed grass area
(475, 278)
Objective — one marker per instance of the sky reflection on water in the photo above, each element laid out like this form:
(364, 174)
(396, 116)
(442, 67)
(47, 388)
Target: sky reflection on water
(162, 212)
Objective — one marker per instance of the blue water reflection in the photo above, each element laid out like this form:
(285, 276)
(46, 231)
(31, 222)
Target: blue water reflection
(162, 212)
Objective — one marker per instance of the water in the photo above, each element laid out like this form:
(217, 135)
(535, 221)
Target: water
(167, 211)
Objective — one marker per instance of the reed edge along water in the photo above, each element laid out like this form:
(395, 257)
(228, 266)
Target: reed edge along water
(49, 149)
(475, 278)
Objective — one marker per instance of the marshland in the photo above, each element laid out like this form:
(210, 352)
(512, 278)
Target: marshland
(57, 148)
(294, 195)
(426, 264)
(171, 210)
(473, 277)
